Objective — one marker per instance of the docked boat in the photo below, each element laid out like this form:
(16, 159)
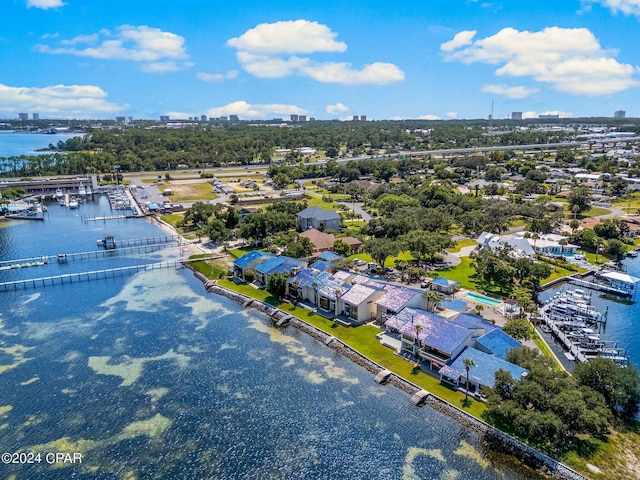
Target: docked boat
(73, 202)
(59, 194)
(62, 202)
(632, 253)
(82, 191)
(88, 191)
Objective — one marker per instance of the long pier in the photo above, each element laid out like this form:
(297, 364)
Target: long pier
(46, 259)
(94, 274)
(598, 286)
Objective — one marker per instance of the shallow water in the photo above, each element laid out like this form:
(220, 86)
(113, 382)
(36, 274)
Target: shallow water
(147, 376)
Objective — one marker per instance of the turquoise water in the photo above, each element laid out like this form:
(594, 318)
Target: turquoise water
(150, 377)
(481, 299)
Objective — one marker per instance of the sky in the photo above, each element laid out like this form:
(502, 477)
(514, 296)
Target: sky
(330, 59)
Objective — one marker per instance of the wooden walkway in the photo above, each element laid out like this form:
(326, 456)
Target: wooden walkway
(599, 287)
(93, 275)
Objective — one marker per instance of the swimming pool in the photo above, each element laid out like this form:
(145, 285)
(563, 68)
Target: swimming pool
(481, 299)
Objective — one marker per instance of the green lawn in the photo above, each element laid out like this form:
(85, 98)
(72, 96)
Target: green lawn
(238, 252)
(173, 219)
(465, 242)
(364, 341)
(593, 212)
(389, 262)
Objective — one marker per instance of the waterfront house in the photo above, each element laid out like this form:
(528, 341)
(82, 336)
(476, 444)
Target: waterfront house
(300, 286)
(497, 343)
(329, 289)
(519, 246)
(477, 325)
(482, 374)
(329, 256)
(282, 264)
(354, 244)
(394, 299)
(321, 241)
(248, 262)
(318, 218)
(358, 303)
(549, 244)
(321, 266)
(429, 337)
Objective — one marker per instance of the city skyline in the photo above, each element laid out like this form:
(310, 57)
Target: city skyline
(331, 60)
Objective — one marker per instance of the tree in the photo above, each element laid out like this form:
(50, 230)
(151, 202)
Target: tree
(468, 363)
(616, 249)
(381, 248)
(518, 328)
(277, 284)
(341, 248)
(579, 197)
(433, 299)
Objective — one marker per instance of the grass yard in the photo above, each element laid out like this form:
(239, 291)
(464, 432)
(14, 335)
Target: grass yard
(173, 219)
(238, 252)
(593, 212)
(190, 192)
(465, 242)
(390, 262)
(364, 341)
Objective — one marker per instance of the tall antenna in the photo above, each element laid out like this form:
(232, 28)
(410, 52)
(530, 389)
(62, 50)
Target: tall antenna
(491, 116)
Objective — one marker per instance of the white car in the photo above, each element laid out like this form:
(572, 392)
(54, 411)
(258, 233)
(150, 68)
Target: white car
(360, 263)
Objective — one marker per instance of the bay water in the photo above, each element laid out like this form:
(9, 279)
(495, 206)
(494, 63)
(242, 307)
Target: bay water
(148, 376)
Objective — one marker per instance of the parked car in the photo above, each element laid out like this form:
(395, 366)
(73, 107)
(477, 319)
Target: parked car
(360, 263)
(424, 284)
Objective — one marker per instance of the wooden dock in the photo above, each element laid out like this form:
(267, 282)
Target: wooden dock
(93, 275)
(599, 287)
(106, 217)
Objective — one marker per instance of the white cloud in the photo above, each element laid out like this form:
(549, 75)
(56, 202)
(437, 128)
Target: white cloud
(248, 111)
(569, 59)
(429, 117)
(452, 114)
(217, 77)
(274, 51)
(290, 37)
(509, 92)
(45, 4)
(337, 109)
(461, 39)
(58, 100)
(160, 51)
(627, 7)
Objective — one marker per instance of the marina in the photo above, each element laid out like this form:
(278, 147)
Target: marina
(571, 318)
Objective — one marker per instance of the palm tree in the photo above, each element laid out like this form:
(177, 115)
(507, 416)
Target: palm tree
(468, 363)
(478, 309)
(418, 330)
(575, 209)
(535, 238)
(562, 243)
(433, 299)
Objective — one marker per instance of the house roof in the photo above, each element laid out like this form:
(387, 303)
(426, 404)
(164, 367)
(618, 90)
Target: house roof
(455, 304)
(269, 264)
(484, 370)
(330, 286)
(352, 241)
(318, 214)
(250, 257)
(498, 343)
(304, 276)
(357, 294)
(435, 331)
(444, 282)
(321, 265)
(319, 239)
(470, 321)
(395, 297)
(330, 256)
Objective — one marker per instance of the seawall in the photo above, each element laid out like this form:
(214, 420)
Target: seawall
(494, 438)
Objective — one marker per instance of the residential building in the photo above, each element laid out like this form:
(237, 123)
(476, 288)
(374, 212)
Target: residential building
(36, 116)
(321, 241)
(519, 246)
(248, 262)
(516, 115)
(302, 118)
(164, 118)
(497, 342)
(329, 290)
(619, 114)
(355, 118)
(203, 118)
(281, 264)
(23, 116)
(234, 118)
(355, 244)
(444, 285)
(330, 257)
(121, 119)
(482, 374)
(396, 298)
(314, 217)
(363, 118)
(358, 303)
(294, 117)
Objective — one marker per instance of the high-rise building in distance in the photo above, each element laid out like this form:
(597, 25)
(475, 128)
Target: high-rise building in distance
(35, 116)
(619, 114)
(23, 116)
(293, 117)
(516, 115)
(234, 118)
(363, 118)
(164, 118)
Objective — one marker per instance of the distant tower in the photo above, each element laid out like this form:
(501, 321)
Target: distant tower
(23, 116)
(355, 118)
(294, 117)
(516, 115)
(619, 114)
(302, 118)
(203, 118)
(36, 116)
(164, 118)
(234, 118)
(363, 118)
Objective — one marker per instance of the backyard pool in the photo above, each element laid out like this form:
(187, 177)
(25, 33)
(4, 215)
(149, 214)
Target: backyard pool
(481, 299)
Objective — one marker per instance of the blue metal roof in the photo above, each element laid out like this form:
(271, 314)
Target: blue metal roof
(498, 343)
(250, 257)
(332, 285)
(468, 320)
(435, 331)
(484, 370)
(304, 276)
(319, 279)
(329, 256)
(455, 304)
(269, 264)
(321, 266)
(285, 268)
(444, 282)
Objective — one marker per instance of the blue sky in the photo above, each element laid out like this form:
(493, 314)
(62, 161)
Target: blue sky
(331, 59)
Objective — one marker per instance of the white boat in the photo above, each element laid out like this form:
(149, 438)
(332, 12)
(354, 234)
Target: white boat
(89, 191)
(73, 202)
(81, 190)
(59, 194)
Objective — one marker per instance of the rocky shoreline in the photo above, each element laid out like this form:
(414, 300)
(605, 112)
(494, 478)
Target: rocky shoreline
(495, 439)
